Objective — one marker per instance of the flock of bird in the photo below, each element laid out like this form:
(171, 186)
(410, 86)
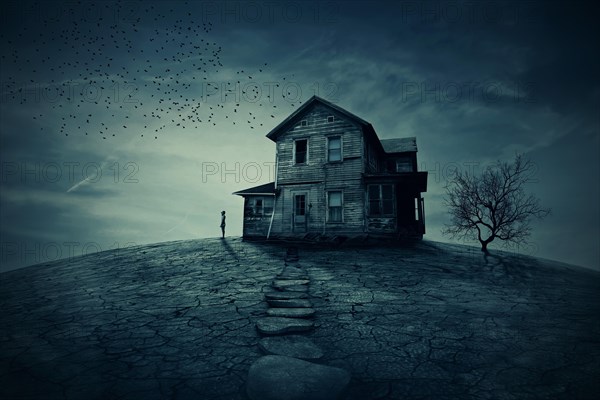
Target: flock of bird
(149, 74)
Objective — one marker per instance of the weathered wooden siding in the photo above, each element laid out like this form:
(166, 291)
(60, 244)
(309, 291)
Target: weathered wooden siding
(381, 224)
(361, 153)
(374, 159)
(353, 200)
(317, 169)
(318, 175)
(316, 216)
(256, 226)
(285, 208)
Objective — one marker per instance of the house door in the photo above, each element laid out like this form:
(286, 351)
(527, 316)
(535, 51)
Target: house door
(299, 216)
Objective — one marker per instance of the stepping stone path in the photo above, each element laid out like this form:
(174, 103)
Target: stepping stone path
(291, 303)
(279, 325)
(283, 283)
(285, 295)
(284, 373)
(292, 275)
(291, 312)
(292, 288)
(291, 346)
(287, 378)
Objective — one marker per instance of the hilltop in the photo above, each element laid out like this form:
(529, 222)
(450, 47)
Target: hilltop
(421, 320)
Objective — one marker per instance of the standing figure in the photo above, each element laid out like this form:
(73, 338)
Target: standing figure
(223, 223)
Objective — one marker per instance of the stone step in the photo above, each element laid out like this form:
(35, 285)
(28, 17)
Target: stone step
(291, 346)
(285, 295)
(290, 282)
(291, 303)
(291, 312)
(291, 276)
(276, 377)
(280, 325)
(293, 269)
(293, 288)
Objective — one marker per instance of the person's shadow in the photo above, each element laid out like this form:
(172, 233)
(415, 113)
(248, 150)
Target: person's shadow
(227, 247)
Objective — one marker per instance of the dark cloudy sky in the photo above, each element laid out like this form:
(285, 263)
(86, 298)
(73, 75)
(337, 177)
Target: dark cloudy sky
(133, 122)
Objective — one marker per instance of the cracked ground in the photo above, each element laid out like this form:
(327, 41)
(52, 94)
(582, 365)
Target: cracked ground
(177, 320)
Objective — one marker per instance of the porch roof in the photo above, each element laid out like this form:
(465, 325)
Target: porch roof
(414, 180)
(268, 189)
(399, 145)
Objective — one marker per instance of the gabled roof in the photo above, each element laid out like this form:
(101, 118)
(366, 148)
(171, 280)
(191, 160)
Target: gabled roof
(290, 120)
(266, 189)
(399, 145)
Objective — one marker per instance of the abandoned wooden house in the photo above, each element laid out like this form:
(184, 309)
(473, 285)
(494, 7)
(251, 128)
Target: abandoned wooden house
(334, 176)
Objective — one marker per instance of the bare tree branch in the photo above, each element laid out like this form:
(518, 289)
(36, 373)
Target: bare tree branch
(493, 205)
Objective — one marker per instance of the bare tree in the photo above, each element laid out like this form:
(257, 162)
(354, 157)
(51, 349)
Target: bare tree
(493, 205)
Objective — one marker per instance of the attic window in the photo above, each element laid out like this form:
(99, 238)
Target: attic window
(303, 122)
(330, 118)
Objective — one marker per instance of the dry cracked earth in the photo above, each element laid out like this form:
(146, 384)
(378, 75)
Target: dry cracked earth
(178, 321)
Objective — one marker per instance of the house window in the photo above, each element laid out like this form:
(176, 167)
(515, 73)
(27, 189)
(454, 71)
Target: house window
(257, 206)
(404, 165)
(334, 203)
(303, 122)
(381, 200)
(300, 206)
(334, 148)
(330, 118)
(301, 151)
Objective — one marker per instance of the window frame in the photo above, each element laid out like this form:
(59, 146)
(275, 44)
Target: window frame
(330, 118)
(406, 161)
(341, 148)
(256, 206)
(328, 217)
(298, 196)
(294, 152)
(380, 200)
(251, 205)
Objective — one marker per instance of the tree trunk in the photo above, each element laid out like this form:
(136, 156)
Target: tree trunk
(484, 244)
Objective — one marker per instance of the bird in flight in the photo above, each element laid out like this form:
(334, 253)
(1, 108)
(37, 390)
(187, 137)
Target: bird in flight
(124, 65)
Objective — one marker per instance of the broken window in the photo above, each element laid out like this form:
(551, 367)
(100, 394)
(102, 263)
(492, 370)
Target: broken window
(300, 151)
